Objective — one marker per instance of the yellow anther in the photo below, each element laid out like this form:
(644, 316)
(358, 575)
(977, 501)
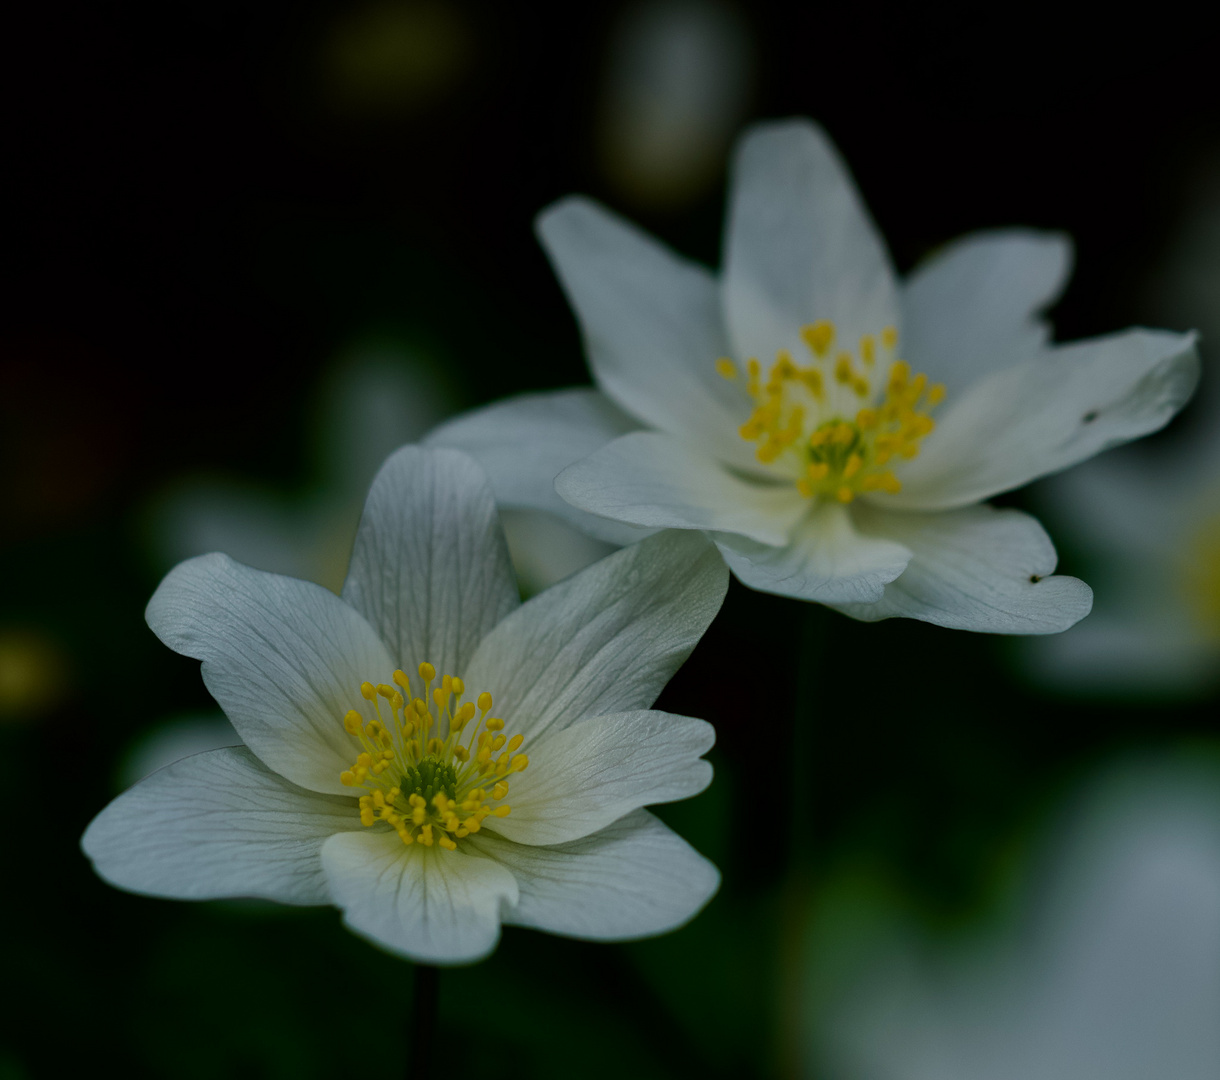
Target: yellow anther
(420, 706)
(502, 811)
(936, 394)
(515, 742)
(726, 368)
(425, 835)
(498, 742)
(866, 419)
(845, 494)
(853, 466)
(439, 696)
(400, 679)
(459, 687)
(464, 714)
(435, 746)
(368, 691)
(499, 791)
(353, 722)
(889, 337)
(447, 683)
(520, 762)
(461, 753)
(406, 837)
(819, 336)
(427, 672)
(494, 724)
(843, 369)
(484, 702)
(446, 843)
(868, 349)
(348, 778)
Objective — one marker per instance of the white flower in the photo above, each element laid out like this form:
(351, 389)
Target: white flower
(793, 408)
(1111, 970)
(387, 733)
(1149, 517)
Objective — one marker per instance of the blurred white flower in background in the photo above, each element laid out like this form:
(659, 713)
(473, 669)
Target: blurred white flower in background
(373, 400)
(1147, 517)
(1109, 968)
(677, 85)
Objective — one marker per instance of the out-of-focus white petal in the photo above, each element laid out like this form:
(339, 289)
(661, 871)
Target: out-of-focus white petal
(974, 306)
(218, 824)
(524, 442)
(826, 559)
(800, 245)
(284, 659)
(426, 903)
(655, 480)
(1048, 413)
(974, 569)
(582, 778)
(651, 324)
(430, 568)
(606, 640)
(632, 879)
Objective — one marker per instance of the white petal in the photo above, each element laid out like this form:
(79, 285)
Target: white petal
(975, 569)
(524, 442)
(430, 568)
(426, 903)
(800, 245)
(655, 480)
(284, 659)
(632, 879)
(651, 324)
(1049, 413)
(826, 560)
(218, 824)
(973, 307)
(583, 777)
(606, 640)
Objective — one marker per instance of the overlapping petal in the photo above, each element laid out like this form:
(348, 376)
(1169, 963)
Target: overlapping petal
(431, 905)
(430, 569)
(524, 442)
(218, 824)
(283, 658)
(800, 245)
(583, 777)
(1048, 413)
(978, 568)
(974, 306)
(605, 640)
(651, 325)
(655, 480)
(634, 878)
(826, 559)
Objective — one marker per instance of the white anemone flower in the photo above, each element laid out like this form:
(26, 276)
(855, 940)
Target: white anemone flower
(834, 430)
(1110, 969)
(389, 732)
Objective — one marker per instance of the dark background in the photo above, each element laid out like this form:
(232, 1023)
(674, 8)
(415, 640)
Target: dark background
(204, 209)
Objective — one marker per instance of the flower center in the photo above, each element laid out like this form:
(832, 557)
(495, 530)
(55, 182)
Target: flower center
(429, 773)
(836, 419)
(1200, 577)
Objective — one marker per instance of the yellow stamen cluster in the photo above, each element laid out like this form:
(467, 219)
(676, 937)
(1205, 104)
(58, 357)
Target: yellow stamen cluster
(429, 772)
(841, 423)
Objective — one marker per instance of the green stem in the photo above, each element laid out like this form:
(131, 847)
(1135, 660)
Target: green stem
(423, 1023)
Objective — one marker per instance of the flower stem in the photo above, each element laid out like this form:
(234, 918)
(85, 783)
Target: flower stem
(423, 1022)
